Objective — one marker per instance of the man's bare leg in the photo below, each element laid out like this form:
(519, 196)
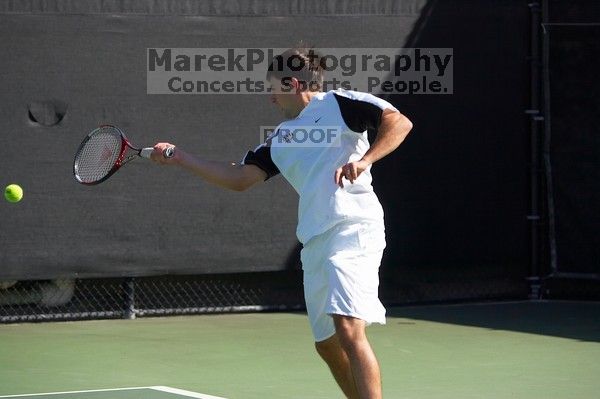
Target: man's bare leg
(352, 338)
(339, 364)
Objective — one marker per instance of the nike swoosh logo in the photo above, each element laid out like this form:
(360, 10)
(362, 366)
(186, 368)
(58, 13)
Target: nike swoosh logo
(316, 120)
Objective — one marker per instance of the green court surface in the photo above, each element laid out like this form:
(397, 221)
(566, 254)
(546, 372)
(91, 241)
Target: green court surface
(544, 350)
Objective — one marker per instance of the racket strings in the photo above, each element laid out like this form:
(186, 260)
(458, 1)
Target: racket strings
(98, 155)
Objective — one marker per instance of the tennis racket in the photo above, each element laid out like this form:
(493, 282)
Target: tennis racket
(104, 151)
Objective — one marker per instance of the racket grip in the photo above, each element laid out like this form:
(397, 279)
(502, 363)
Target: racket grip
(145, 152)
(167, 152)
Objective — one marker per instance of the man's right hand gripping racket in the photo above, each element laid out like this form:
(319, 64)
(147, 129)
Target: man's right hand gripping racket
(104, 151)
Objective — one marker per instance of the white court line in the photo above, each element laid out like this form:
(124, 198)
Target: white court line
(69, 392)
(182, 392)
(175, 391)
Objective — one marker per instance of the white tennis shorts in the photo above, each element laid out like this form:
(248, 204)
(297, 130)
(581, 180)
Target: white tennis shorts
(341, 276)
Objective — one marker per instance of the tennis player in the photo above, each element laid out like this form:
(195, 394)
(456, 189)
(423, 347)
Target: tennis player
(340, 219)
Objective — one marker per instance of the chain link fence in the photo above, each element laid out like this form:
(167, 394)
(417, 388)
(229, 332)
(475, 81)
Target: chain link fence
(70, 299)
(111, 298)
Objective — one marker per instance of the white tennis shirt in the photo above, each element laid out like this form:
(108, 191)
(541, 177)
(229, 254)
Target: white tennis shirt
(329, 132)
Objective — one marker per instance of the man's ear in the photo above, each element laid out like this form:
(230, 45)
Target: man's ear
(295, 83)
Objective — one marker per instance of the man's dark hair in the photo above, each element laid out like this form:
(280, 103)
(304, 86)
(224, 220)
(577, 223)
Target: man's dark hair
(300, 62)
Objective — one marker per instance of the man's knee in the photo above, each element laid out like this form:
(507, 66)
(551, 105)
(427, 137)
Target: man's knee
(349, 330)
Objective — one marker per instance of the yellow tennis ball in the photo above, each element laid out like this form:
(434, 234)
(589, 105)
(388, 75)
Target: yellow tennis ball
(13, 193)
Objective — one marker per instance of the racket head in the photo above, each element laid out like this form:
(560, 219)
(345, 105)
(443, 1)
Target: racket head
(100, 155)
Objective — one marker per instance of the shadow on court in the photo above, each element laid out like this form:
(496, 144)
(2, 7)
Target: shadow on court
(574, 320)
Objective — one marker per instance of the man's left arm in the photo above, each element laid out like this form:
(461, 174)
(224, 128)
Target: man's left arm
(392, 131)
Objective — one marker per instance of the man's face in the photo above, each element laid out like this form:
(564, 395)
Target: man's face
(284, 96)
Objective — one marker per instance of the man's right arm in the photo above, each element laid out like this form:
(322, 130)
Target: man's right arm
(233, 176)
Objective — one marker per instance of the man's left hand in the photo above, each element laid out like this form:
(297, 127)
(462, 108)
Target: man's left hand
(350, 171)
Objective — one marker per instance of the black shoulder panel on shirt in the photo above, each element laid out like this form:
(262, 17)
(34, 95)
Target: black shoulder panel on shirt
(359, 115)
(261, 157)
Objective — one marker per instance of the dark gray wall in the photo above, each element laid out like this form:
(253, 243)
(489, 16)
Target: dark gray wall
(90, 58)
